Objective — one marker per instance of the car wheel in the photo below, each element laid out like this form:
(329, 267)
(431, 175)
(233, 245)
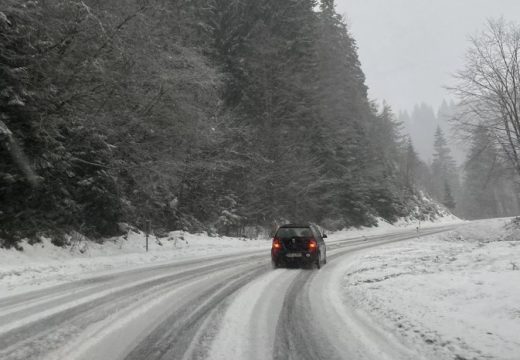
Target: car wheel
(275, 264)
(318, 261)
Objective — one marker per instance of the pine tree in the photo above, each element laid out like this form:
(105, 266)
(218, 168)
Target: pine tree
(123, 129)
(448, 200)
(345, 114)
(422, 128)
(444, 168)
(409, 165)
(327, 6)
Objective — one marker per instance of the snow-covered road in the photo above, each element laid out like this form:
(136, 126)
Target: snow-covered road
(225, 307)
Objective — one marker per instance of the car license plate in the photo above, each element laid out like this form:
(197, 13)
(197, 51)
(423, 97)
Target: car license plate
(294, 255)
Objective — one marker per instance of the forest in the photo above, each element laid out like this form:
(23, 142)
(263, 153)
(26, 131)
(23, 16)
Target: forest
(211, 115)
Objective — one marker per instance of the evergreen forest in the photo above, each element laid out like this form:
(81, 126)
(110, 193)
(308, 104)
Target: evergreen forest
(212, 115)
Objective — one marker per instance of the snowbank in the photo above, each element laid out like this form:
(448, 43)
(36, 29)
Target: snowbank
(44, 264)
(455, 295)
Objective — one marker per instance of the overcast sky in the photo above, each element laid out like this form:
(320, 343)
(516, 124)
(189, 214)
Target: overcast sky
(410, 48)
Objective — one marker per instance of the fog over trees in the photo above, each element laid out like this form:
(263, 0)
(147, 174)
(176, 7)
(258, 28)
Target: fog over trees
(208, 115)
(464, 169)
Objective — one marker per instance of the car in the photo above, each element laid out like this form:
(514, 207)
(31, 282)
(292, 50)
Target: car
(298, 244)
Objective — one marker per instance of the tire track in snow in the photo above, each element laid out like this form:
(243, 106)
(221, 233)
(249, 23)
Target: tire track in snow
(253, 314)
(296, 336)
(49, 331)
(174, 336)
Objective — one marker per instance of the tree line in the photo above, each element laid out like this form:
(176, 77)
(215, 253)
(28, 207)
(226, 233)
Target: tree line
(194, 114)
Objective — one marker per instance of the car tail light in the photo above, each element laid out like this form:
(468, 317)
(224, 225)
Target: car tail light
(312, 245)
(277, 244)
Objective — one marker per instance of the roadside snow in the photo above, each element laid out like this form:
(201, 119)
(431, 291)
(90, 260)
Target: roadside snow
(455, 295)
(44, 264)
(402, 225)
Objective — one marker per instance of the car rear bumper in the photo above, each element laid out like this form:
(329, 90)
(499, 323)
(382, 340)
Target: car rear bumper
(294, 256)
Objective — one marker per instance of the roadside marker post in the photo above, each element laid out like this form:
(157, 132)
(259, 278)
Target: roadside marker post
(148, 230)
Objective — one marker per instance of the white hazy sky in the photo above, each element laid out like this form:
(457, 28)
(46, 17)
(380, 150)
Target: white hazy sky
(409, 49)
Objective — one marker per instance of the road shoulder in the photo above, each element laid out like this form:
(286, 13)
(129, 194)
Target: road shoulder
(448, 295)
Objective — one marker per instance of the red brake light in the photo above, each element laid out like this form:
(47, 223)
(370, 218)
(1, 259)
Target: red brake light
(313, 244)
(277, 244)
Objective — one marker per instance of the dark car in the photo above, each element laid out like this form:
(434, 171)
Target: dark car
(296, 244)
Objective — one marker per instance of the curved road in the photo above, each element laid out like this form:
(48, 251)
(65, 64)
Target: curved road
(226, 307)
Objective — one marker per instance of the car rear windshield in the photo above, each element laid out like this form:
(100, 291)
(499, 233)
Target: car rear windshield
(294, 232)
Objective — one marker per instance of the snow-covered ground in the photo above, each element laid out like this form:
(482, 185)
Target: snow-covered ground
(451, 295)
(455, 295)
(44, 264)
(402, 225)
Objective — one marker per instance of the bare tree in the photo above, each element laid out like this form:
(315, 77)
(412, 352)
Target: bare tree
(489, 87)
